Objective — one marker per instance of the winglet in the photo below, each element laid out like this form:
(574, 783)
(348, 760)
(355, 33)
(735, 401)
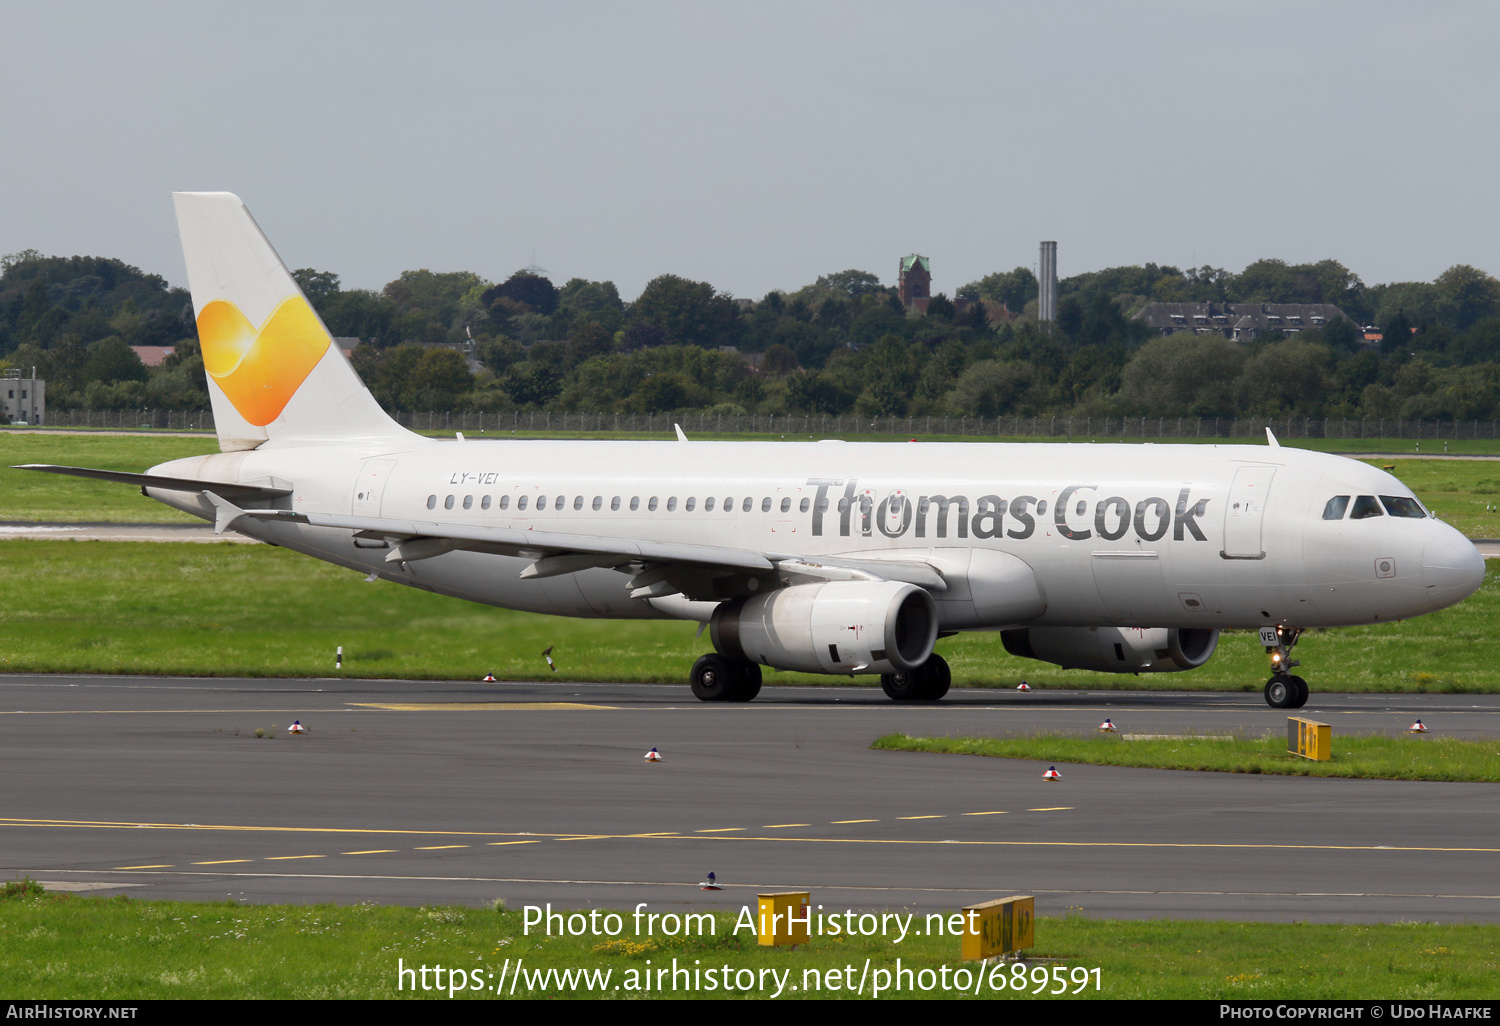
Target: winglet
(225, 512)
(1271, 439)
(681, 437)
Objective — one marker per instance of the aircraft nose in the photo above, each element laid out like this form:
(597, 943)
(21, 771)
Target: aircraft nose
(1452, 569)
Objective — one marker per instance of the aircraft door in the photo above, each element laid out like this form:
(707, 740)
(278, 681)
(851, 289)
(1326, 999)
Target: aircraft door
(1244, 510)
(369, 487)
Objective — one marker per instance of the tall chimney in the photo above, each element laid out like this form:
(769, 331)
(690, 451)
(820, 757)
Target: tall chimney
(1046, 307)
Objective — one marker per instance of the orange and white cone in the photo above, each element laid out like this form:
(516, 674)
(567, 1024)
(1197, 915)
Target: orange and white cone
(489, 678)
(1107, 726)
(1417, 728)
(1052, 774)
(296, 728)
(1023, 686)
(653, 756)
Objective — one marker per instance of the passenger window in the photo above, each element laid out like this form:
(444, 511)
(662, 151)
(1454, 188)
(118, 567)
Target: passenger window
(728, 505)
(635, 503)
(748, 504)
(505, 502)
(432, 502)
(484, 503)
(708, 504)
(468, 502)
(690, 504)
(1364, 507)
(765, 504)
(578, 502)
(1336, 507)
(843, 505)
(823, 504)
(541, 502)
(521, 502)
(614, 503)
(786, 505)
(671, 504)
(448, 502)
(651, 506)
(803, 505)
(598, 502)
(1403, 506)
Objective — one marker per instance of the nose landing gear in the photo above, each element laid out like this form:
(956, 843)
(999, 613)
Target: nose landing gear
(1285, 690)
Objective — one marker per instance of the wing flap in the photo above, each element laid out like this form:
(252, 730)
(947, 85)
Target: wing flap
(507, 541)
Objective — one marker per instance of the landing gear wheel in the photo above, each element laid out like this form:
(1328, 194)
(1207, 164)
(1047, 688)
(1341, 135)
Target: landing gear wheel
(939, 677)
(1302, 691)
(1281, 692)
(901, 687)
(927, 683)
(747, 682)
(713, 678)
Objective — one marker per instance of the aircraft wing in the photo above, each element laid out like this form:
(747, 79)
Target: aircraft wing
(700, 572)
(229, 490)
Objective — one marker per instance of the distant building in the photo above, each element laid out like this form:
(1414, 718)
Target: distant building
(24, 399)
(1046, 298)
(915, 282)
(152, 356)
(1240, 322)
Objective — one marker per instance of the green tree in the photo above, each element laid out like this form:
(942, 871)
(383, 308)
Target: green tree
(851, 283)
(316, 285)
(1473, 292)
(662, 393)
(537, 293)
(778, 361)
(439, 378)
(808, 391)
(688, 312)
(993, 388)
(589, 339)
(111, 360)
(1013, 288)
(597, 301)
(1182, 375)
(1286, 377)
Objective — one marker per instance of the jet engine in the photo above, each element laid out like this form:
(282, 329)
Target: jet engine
(1115, 649)
(834, 627)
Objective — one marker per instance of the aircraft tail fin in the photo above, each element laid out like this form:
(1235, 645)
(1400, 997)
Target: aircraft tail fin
(274, 372)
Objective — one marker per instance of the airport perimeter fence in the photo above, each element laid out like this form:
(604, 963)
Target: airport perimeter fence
(836, 425)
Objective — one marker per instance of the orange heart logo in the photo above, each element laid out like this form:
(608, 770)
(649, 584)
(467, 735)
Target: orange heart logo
(260, 370)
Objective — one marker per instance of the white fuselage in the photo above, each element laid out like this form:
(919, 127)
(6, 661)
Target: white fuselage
(1124, 535)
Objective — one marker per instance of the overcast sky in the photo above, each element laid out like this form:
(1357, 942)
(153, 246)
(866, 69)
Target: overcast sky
(758, 145)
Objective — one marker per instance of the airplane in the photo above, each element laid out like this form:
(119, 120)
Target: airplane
(824, 557)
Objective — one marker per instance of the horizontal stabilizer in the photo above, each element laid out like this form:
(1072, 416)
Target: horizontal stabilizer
(228, 489)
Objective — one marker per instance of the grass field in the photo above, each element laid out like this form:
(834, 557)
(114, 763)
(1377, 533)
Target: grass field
(1465, 493)
(1371, 757)
(250, 610)
(62, 947)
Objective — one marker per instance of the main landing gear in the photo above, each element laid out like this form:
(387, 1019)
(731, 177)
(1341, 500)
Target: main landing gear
(718, 678)
(1285, 690)
(927, 683)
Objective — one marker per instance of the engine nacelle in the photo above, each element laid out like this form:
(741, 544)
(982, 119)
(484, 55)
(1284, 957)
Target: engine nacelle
(1115, 649)
(834, 627)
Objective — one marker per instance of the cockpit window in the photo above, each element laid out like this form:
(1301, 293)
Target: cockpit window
(1366, 506)
(1403, 506)
(1336, 507)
